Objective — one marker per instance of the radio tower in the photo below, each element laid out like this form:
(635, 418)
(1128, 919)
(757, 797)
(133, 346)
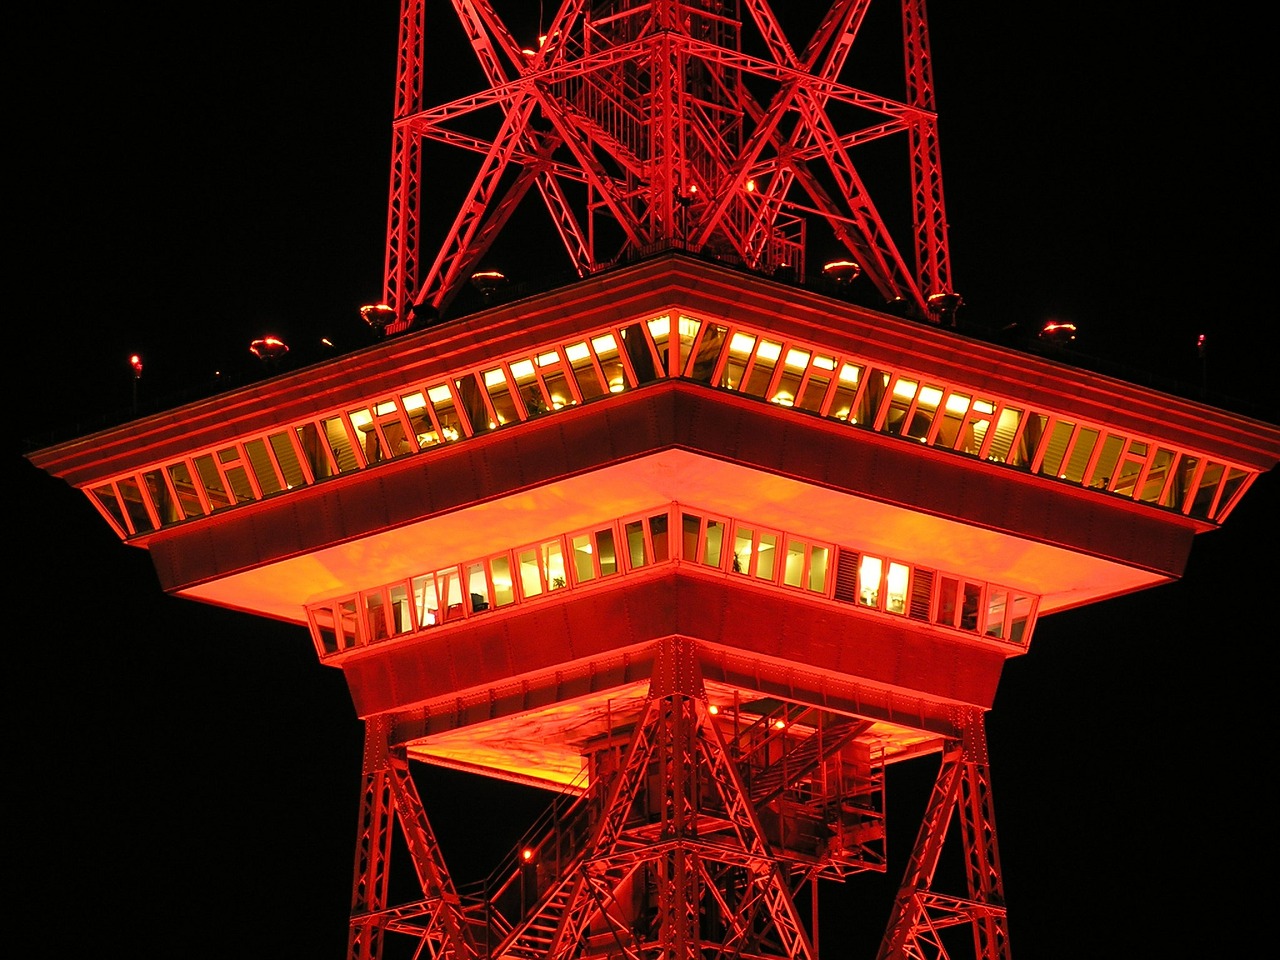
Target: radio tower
(704, 539)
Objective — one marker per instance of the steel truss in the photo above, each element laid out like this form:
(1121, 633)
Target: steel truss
(652, 124)
(668, 854)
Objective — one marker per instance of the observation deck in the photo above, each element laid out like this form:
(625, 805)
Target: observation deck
(486, 523)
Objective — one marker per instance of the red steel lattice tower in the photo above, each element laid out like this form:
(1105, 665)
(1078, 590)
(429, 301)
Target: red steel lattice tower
(700, 546)
(647, 125)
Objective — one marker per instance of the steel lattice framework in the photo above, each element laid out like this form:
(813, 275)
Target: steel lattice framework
(667, 854)
(650, 125)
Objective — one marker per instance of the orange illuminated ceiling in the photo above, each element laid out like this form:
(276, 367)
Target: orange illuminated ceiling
(1063, 576)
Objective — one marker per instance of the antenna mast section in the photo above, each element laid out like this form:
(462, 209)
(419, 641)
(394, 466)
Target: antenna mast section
(643, 126)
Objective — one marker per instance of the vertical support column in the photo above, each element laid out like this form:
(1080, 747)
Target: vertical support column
(920, 914)
(373, 847)
(404, 201)
(982, 856)
(435, 920)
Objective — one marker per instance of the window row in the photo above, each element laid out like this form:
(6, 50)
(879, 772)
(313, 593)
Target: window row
(769, 557)
(788, 373)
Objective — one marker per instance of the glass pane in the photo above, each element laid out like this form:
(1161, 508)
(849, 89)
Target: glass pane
(895, 599)
(634, 532)
(948, 591)
(638, 353)
(606, 350)
(504, 591)
(348, 624)
(997, 600)
(690, 526)
(553, 564)
(953, 415)
(793, 368)
(767, 556)
(312, 450)
(212, 482)
(1056, 448)
(441, 399)
(471, 398)
(658, 528)
(688, 330)
(264, 471)
(767, 354)
(874, 390)
(709, 348)
(740, 347)
(551, 370)
(530, 576)
(1104, 469)
(607, 552)
(1230, 488)
(426, 600)
(969, 609)
(477, 588)
(793, 568)
(1131, 465)
(869, 571)
(161, 499)
(188, 498)
(424, 428)
(1176, 493)
(340, 443)
(814, 390)
(324, 629)
(105, 496)
(922, 418)
(1020, 617)
(713, 551)
(977, 423)
(660, 330)
(375, 614)
(499, 390)
(1002, 437)
(846, 389)
(1209, 481)
(362, 421)
(237, 476)
(449, 583)
(401, 622)
(584, 371)
(819, 559)
(1086, 440)
(1158, 473)
(742, 549)
(584, 567)
(1027, 445)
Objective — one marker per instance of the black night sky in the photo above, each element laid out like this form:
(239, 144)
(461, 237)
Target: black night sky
(184, 780)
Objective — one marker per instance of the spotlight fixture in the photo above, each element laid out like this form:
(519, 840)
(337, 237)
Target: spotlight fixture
(377, 316)
(943, 306)
(843, 272)
(1058, 331)
(487, 282)
(269, 348)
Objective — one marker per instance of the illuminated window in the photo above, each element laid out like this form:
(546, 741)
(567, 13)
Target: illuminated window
(760, 372)
(478, 587)
(501, 398)
(869, 573)
(846, 391)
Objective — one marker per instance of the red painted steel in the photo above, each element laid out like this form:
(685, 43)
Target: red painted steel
(650, 125)
(733, 739)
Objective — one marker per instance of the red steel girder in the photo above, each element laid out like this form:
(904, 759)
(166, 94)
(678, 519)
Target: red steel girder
(390, 797)
(920, 914)
(650, 113)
